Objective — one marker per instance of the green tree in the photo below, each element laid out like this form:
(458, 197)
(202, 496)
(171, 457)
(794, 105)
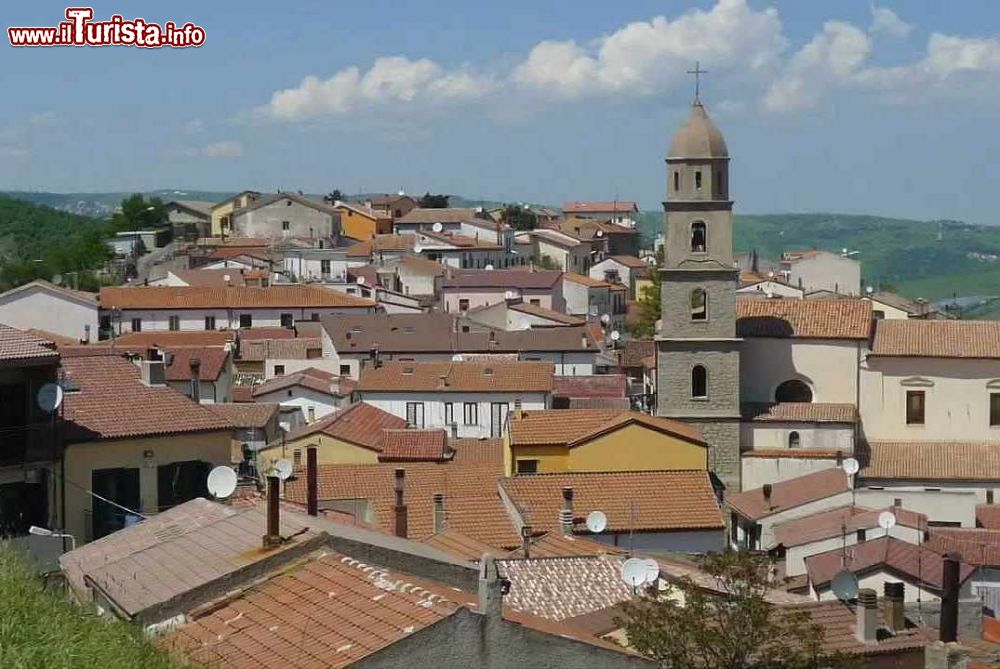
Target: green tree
(546, 262)
(138, 213)
(518, 217)
(733, 628)
(334, 196)
(429, 201)
(649, 303)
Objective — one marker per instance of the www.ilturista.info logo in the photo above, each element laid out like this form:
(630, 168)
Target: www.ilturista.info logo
(80, 30)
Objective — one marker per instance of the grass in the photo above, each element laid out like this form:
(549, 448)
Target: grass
(40, 629)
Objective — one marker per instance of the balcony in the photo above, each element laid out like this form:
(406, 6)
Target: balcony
(21, 444)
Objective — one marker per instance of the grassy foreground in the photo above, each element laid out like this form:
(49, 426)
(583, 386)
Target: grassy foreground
(41, 629)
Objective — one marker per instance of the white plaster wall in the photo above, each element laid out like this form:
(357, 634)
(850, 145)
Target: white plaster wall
(758, 471)
(828, 366)
(434, 409)
(877, 580)
(827, 271)
(951, 504)
(767, 524)
(38, 308)
(795, 556)
(154, 320)
(293, 365)
(486, 296)
(774, 435)
(889, 312)
(772, 287)
(266, 222)
(303, 399)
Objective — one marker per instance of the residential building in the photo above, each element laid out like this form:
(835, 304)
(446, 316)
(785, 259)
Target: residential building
(214, 278)
(602, 391)
(135, 308)
(305, 395)
(254, 426)
(515, 314)
(40, 305)
(822, 270)
(286, 215)
(273, 357)
(552, 248)
(622, 269)
(886, 305)
(395, 206)
(467, 289)
(328, 265)
(189, 219)
(588, 298)
(622, 213)
(770, 285)
(471, 399)
(596, 440)
(448, 248)
(222, 211)
(361, 223)
(606, 238)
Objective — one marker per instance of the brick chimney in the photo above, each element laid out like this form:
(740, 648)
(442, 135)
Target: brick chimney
(867, 616)
(312, 483)
(566, 515)
(526, 540)
(949, 598)
(438, 512)
(893, 607)
(195, 380)
(399, 510)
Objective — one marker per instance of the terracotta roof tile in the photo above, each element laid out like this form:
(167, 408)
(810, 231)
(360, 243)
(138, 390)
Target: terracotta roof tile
(832, 523)
(205, 278)
(439, 215)
(600, 385)
(794, 453)
(590, 207)
(361, 424)
(937, 339)
(661, 500)
(631, 262)
(575, 426)
(458, 377)
(524, 279)
(468, 451)
(976, 546)
(413, 445)
(460, 545)
(636, 351)
(457, 240)
(542, 312)
(297, 348)
(800, 412)
(113, 403)
(18, 346)
(790, 493)
(988, 516)
(314, 379)
(557, 544)
(213, 361)
(170, 339)
(585, 280)
(245, 414)
(930, 460)
(838, 621)
(816, 319)
(383, 243)
(163, 297)
(560, 588)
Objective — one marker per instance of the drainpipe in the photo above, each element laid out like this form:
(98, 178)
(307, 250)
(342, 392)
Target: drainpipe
(273, 537)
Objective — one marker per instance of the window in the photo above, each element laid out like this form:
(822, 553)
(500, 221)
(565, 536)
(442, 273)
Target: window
(287, 320)
(415, 414)
(697, 180)
(699, 304)
(994, 408)
(989, 496)
(345, 370)
(498, 418)
(136, 325)
(878, 314)
(677, 181)
(312, 414)
(279, 370)
(699, 382)
(794, 440)
(719, 183)
(527, 466)
(698, 237)
(174, 323)
(915, 405)
(535, 302)
(861, 536)
(297, 457)
(246, 321)
(285, 226)
(793, 390)
(209, 322)
(471, 410)
(449, 413)
(314, 317)
(463, 305)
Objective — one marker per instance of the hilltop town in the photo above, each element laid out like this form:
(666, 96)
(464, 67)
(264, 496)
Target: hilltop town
(313, 432)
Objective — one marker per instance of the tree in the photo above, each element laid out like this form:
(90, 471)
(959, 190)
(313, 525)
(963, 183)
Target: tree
(137, 213)
(429, 201)
(518, 217)
(649, 303)
(333, 196)
(735, 627)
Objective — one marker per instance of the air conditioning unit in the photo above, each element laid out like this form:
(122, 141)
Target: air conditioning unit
(153, 372)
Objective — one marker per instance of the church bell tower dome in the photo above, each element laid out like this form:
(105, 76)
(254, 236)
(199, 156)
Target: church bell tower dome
(698, 137)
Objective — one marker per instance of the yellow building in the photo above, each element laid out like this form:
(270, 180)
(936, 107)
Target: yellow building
(362, 223)
(222, 211)
(589, 440)
(133, 444)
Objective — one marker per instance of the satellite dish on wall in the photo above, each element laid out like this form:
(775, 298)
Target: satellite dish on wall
(887, 520)
(605, 319)
(509, 295)
(283, 469)
(437, 227)
(49, 397)
(360, 281)
(457, 358)
(615, 335)
(652, 570)
(596, 522)
(488, 267)
(845, 585)
(634, 572)
(850, 466)
(221, 482)
(417, 248)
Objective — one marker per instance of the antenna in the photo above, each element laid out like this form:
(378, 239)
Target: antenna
(49, 397)
(282, 469)
(850, 466)
(845, 585)
(596, 522)
(221, 482)
(634, 572)
(887, 520)
(437, 227)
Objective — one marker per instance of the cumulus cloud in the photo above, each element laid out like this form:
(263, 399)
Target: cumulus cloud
(224, 149)
(887, 22)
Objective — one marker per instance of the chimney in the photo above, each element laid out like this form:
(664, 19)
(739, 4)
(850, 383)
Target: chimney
(152, 372)
(518, 412)
(196, 380)
(566, 515)
(766, 489)
(526, 540)
(583, 339)
(86, 334)
(892, 606)
(399, 510)
(491, 589)
(438, 512)
(273, 537)
(312, 484)
(493, 339)
(454, 430)
(949, 598)
(867, 616)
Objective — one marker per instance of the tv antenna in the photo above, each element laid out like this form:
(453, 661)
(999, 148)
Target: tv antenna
(221, 482)
(597, 521)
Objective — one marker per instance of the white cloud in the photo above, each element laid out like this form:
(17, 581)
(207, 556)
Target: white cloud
(12, 152)
(887, 22)
(193, 127)
(42, 119)
(224, 149)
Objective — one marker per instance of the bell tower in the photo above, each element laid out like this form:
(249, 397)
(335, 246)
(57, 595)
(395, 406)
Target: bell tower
(697, 348)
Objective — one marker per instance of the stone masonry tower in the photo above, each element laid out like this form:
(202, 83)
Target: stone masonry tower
(697, 348)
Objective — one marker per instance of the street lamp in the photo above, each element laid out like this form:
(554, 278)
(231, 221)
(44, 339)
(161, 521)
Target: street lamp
(45, 532)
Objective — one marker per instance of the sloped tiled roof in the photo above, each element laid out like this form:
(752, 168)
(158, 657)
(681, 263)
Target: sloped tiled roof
(460, 545)
(833, 523)
(113, 403)
(988, 516)
(171, 339)
(384, 243)
(790, 493)
(560, 588)
(980, 547)
(458, 377)
(470, 451)
(800, 412)
(213, 361)
(574, 426)
(20, 347)
(838, 621)
(289, 348)
(557, 544)
(599, 385)
(439, 215)
(901, 337)
(413, 445)
(637, 351)
(641, 501)
(245, 414)
(188, 297)
(631, 262)
(361, 424)
(204, 278)
(542, 312)
(318, 380)
(585, 280)
(502, 279)
(930, 460)
(811, 319)
(590, 207)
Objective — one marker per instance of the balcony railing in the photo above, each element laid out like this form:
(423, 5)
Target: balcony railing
(29, 443)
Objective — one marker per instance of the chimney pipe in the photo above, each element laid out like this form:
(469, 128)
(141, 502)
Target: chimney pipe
(312, 484)
(399, 509)
(867, 622)
(438, 512)
(892, 606)
(566, 515)
(273, 537)
(518, 413)
(526, 540)
(583, 339)
(86, 334)
(196, 380)
(766, 489)
(949, 598)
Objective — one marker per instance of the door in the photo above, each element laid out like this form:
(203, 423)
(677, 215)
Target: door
(13, 418)
(179, 482)
(121, 486)
(415, 414)
(498, 416)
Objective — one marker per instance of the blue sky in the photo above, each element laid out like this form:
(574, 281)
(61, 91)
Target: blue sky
(848, 106)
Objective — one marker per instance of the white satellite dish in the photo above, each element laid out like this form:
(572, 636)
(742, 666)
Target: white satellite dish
(600, 233)
(634, 572)
(226, 278)
(488, 267)
(652, 570)
(49, 397)
(360, 281)
(605, 319)
(221, 482)
(845, 586)
(417, 248)
(282, 469)
(615, 335)
(437, 227)
(869, 290)
(596, 522)
(850, 466)
(509, 295)
(887, 520)
(457, 358)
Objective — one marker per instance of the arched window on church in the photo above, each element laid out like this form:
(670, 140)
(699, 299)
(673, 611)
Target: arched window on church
(699, 237)
(699, 304)
(697, 179)
(699, 382)
(794, 441)
(677, 180)
(793, 390)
